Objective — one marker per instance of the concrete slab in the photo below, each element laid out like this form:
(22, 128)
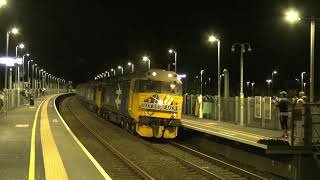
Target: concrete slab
(246, 135)
(15, 136)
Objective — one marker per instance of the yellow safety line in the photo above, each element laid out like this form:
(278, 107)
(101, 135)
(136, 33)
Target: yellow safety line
(92, 159)
(33, 142)
(228, 129)
(53, 165)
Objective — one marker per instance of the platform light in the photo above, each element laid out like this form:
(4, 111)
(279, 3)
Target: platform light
(9, 61)
(292, 16)
(212, 38)
(21, 45)
(145, 58)
(182, 76)
(154, 74)
(14, 30)
(3, 3)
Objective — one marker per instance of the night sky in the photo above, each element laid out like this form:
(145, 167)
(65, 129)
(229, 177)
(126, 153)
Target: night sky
(76, 39)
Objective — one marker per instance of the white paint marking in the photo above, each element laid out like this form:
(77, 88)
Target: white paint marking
(22, 125)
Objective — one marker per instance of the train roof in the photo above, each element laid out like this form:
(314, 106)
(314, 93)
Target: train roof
(152, 74)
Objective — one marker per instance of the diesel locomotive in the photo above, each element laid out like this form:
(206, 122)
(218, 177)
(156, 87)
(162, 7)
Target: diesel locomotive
(147, 103)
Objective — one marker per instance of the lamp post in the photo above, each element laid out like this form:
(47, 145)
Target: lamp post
(114, 72)
(107, 72)
(175, 58)
(17, 79)
(41, 77)
(23, 69)
(252, 89)
(132, 66)
(272, 79)
(226, 83)
(32, 75)
(200, 97)
(146, 59)
(213, 39)
(242, 50)
(36, 76)
(121, 68)
(12, 31)
(292, 16)
(248, 86)
(21, 46)
(302, 89)
(29, 83)
(269, 82)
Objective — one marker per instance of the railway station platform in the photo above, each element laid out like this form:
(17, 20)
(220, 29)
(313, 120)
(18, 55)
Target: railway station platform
(36, 143)
(242, 134)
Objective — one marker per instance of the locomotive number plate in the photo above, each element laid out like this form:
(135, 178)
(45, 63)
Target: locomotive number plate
(155, 106)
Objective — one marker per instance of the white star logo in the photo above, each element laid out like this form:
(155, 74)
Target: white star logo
(118, 99)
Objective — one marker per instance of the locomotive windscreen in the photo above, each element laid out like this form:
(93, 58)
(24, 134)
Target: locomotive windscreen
(149, 86)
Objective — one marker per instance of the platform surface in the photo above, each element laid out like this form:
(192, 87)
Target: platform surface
(37, 144)
(242, 134)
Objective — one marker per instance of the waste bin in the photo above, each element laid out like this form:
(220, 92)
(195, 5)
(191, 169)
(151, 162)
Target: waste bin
(207, 109)
(31, 101)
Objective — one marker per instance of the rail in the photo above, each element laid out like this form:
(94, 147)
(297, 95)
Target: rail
(117, 153)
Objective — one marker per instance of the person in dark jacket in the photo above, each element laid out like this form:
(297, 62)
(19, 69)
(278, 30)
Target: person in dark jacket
(283, 104)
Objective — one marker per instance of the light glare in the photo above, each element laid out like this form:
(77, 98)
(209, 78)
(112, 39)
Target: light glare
(145, 58)
(21, 45)
(3, 3)
(212, 38)
(154, 74)
(292, 16)
(15, 30)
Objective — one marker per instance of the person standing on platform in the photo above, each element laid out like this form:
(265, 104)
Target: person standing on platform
(299, 120)
(2, 102)
(283, 104)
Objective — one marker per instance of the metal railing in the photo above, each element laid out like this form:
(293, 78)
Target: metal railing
(13, 100)
(230, 111)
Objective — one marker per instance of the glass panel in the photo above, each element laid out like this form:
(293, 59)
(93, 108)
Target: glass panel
(158, 87)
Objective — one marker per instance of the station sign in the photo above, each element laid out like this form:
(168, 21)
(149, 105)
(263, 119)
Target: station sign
(10, 61)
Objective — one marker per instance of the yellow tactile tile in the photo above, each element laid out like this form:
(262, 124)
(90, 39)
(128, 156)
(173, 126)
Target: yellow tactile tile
(53, 165)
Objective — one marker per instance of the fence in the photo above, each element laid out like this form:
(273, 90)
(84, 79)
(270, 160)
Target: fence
(13, 100)
(260, 112)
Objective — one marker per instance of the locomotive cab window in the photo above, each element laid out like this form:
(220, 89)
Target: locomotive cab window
(148, 86)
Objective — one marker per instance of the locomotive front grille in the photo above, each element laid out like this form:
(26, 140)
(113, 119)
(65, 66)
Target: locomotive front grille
(159, 121)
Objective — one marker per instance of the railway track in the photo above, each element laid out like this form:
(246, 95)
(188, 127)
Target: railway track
(224, 168)
(195, 163)
(208, 166)
(120, 167)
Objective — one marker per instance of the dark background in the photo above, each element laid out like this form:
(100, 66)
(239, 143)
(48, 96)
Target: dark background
(75, 39)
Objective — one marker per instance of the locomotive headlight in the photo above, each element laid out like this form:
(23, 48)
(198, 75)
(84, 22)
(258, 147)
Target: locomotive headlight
(174, 115)
(170, 75)
(160, 102)
(172, 86)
